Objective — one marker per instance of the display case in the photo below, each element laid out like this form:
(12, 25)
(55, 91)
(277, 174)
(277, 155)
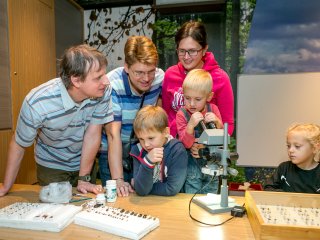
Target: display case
(282, 215)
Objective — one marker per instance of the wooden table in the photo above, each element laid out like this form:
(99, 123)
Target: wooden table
(175, 222)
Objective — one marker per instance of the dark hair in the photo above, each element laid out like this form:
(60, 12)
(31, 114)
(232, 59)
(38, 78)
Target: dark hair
(193, 29)
(78, 60)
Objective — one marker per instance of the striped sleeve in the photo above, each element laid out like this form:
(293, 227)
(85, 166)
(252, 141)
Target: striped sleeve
(27, 127)
(103, 112)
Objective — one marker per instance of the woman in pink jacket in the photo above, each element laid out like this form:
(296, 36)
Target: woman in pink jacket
(192, 46)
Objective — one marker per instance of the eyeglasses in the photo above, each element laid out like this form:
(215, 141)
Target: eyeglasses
(140, 74)
(191, 52)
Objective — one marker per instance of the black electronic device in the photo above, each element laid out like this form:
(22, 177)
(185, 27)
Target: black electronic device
(238, 211)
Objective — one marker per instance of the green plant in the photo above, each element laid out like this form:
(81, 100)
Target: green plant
(240, 177)
(164, 31)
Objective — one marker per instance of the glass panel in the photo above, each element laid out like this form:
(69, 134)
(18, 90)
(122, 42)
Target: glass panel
(215, 27)
(284, 37)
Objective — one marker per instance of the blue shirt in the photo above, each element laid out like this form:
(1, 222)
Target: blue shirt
(172, 170)
(126, 103)
(58, 124)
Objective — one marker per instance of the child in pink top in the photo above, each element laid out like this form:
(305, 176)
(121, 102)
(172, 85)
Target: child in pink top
(192, 46)
(197, 95)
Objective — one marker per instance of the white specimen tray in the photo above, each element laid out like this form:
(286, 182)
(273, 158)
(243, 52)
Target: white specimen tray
(38, 216)
(117, 221)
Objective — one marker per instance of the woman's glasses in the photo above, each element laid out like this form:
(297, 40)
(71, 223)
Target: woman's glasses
(192, 52)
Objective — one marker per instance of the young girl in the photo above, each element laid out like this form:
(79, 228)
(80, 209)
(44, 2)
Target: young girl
(302, 172)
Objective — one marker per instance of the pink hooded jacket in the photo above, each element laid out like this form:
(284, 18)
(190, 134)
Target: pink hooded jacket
(172, 96)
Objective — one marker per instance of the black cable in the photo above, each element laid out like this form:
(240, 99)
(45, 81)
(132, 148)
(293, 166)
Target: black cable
(208, 224)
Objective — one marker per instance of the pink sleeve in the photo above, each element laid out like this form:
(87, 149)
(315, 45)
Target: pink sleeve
(172, 97)
(225, 102)
(184, 137)
(216, 111)
(173, 128)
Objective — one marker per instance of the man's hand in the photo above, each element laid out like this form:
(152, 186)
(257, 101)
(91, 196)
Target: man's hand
(123, 188)
(3, 190)
(85, 187)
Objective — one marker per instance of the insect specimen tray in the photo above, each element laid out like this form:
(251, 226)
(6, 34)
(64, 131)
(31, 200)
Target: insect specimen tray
(282, 215)
(38, 216)
(118, 221)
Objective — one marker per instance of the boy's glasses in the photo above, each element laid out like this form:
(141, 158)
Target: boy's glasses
(140, 74)
(191, 52)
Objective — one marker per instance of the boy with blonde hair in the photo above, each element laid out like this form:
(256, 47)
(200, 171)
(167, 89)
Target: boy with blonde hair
(197, 90)
(160, 161)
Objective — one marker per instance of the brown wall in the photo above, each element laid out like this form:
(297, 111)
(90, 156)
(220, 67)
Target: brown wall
(5, 88)
(31, 31)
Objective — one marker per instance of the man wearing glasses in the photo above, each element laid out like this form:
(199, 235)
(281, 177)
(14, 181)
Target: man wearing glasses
(135, 85)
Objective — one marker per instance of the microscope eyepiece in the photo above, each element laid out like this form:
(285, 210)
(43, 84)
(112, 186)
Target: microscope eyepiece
(212, 125)
(209, 125)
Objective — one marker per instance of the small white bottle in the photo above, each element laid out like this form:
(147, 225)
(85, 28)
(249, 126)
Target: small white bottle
(101, 199)
(111, 188)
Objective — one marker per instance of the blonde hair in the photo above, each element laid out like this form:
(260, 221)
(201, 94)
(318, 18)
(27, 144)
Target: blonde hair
(140, 49)
(198, 80)
(150, 118)
(311, 132)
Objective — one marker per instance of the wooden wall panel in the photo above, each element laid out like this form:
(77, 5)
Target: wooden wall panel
(32, 62)
(5, 137)
(5, 88)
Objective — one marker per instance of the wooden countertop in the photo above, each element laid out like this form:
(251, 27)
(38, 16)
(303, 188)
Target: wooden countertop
(173, 213)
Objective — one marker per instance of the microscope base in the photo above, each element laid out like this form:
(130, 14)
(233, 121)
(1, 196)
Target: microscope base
(211, 203)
